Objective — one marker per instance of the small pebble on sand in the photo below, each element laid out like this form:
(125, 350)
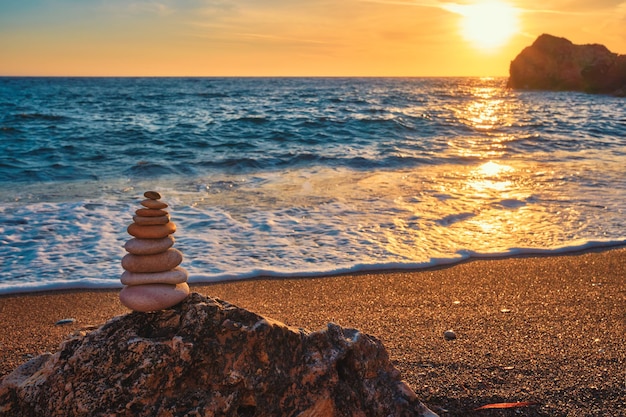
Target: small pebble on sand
(449, 335)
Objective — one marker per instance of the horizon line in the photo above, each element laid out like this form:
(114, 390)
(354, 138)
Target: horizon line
(250, 76)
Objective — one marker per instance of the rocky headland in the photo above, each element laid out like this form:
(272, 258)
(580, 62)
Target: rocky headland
(556, 64)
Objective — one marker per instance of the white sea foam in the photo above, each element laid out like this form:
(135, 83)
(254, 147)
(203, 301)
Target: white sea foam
(307, 223)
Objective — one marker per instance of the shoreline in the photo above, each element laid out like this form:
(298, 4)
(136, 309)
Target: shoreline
(544, 328)
(588, 247)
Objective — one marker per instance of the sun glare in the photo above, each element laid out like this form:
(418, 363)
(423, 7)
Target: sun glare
(487, 25)
(493, 169)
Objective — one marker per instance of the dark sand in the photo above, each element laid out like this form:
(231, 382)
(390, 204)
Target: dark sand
(550, 330)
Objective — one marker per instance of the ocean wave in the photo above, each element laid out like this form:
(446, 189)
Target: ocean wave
(302, 176)
(39, 116)
(9, 130)
(255, 120)
(330, 119)
(212, 94)
(146, 169)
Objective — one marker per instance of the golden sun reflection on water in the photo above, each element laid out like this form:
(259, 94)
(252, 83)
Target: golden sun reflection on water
(486, 114)
(493, 169)
(484, 208)
(487, 206)
(495, 189)
(489, 181)
(488, 176)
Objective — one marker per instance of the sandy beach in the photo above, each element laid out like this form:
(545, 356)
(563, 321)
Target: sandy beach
(547, 330)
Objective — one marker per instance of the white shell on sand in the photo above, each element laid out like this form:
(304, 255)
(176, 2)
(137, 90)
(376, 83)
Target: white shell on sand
(151, 232)
(153, 297)
(153, 204)
(175, 276)
(149, 246)
(159, 262)
(150, 221)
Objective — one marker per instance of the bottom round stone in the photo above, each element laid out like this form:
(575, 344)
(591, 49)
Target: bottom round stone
(153, 297)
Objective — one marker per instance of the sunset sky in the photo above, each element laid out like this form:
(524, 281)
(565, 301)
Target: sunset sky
(291, 37)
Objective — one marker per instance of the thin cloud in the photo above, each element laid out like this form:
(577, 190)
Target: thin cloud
(150, 7)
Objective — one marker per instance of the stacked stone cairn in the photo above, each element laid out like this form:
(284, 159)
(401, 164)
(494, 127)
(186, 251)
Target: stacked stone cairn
(152, 278)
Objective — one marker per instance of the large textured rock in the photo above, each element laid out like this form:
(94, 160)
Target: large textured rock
(205, 357)
(553, 63)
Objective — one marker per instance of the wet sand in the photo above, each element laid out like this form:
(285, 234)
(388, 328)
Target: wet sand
(548, 330)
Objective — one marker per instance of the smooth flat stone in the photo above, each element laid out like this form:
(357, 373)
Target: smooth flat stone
(153, 297)
(151, 232)
(146, 212)
(152, 195)
(153, 204)
(149, 246)
(150, 221)
(159, 262)
(175, 276)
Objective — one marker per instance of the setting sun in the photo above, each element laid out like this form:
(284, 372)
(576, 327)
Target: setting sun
(487, 25)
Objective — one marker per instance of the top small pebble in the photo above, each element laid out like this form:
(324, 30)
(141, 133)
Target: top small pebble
(152, 195)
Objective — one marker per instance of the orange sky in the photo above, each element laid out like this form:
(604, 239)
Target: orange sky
(284, 37)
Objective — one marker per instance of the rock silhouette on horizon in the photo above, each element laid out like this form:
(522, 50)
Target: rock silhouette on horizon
(556, 64)
(206, 357)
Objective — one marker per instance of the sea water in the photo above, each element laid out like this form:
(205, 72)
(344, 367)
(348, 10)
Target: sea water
(301, 176)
